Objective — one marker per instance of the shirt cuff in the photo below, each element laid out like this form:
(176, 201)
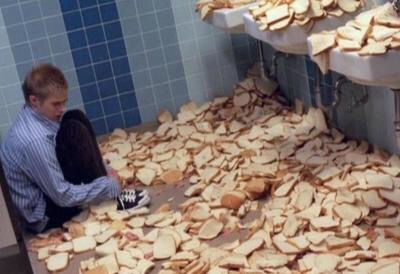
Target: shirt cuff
(115, 188)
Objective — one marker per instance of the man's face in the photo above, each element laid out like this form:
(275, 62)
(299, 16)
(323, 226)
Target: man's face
(52, 107)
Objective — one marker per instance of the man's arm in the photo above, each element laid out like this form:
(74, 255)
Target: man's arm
(41, 164)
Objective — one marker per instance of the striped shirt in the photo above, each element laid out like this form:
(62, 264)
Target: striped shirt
(32, 170)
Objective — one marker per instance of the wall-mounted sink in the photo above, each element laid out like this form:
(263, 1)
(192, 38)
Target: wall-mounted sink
(379, 70)
(292, 39)
(230, 20)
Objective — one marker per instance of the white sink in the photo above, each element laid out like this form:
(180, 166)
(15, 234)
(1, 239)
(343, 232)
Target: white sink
(381, 70)
(230, 20)
(293, 39)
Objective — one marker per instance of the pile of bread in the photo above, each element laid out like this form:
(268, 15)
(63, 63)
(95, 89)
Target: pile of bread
(206, 7)
(274, 15)
(332, 206)
(373, 32)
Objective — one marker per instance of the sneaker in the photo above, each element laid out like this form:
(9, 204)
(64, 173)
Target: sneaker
(132, 199)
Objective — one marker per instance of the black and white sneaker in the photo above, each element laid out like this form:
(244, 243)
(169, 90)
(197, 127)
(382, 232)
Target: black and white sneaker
(131, 198)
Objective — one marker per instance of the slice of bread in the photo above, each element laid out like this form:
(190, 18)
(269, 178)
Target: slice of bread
(322, 42)
(349, 5)
(57, 262)
(164, 247)
(83, 244)
(210, 229)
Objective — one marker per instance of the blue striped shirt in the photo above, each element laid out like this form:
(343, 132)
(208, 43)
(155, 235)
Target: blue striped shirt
(32, 170)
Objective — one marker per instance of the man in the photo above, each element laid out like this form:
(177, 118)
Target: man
(37, 182)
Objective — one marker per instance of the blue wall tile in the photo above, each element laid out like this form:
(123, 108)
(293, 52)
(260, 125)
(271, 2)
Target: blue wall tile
(40, 48)
(148, 22)
(81, 57)
(54, 25)
(87, 3)
(117, 48)
(35, 30)
(103, 70)
(73, 20)
(99, 126)
(111, 105)
(50, 7)
(124, 83)
(95, 35)
(132, 118)
(107, 88)
(91, 16)
(113, 30)
(168, 36)
(59, 44)
(115, 121)
(165, 18)
(121, 66)
(31, 11)
(151, 40)
(128, 101)
(94, 110)
(109, 12)
(144, 6)
(85, 75)
(89, 93)
(126, 8)
(69, 5)
(17, 34)
(99, 53)
(22, 53)
(12, 15)
(77, 39)
(159, 75)
(155, 58)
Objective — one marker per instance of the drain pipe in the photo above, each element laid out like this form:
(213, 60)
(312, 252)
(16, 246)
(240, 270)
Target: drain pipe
(260, 55)
(337, 98)
(397, 115)
(273, 70)
(317, 90)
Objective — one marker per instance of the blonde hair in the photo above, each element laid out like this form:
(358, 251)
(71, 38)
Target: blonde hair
(42, 80)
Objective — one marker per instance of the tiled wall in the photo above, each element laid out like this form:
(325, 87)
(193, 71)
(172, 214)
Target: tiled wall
(124, 59)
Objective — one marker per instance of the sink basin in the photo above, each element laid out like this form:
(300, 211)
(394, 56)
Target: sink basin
(230, 20)
(293, 39)
(379, 70)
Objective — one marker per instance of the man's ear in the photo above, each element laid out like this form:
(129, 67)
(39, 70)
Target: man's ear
(33, 100)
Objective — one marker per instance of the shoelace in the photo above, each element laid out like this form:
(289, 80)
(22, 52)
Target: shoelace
(129, 197)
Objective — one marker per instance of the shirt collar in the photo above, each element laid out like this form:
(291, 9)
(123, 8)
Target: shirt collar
(51, 125)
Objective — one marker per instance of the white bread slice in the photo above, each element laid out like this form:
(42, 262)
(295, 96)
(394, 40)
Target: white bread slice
(365, 18)
(348, 45)
(349, 5)
(242, 99)
(146, 175)
(336, 12)
(124, 258)
(145, 266)
(300, 6)
(351, 33)
(326, 263)
(392, 196)
(171, 177)
(373, 49)
(110, 262)
(83, 244)
(387, 16)
(107, 248)
(324, 222)
(347, 212)
(388, 248)
(164, 116)
(249, 246)
(101, 269)
(210, 229)
(164, 247)
(321, 42)
(380, 33)
(233, 199)
(277, 13)
(57, 262)
(372, 199)
(279, 25)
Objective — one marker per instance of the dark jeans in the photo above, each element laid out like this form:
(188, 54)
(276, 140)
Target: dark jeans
(80, 160)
